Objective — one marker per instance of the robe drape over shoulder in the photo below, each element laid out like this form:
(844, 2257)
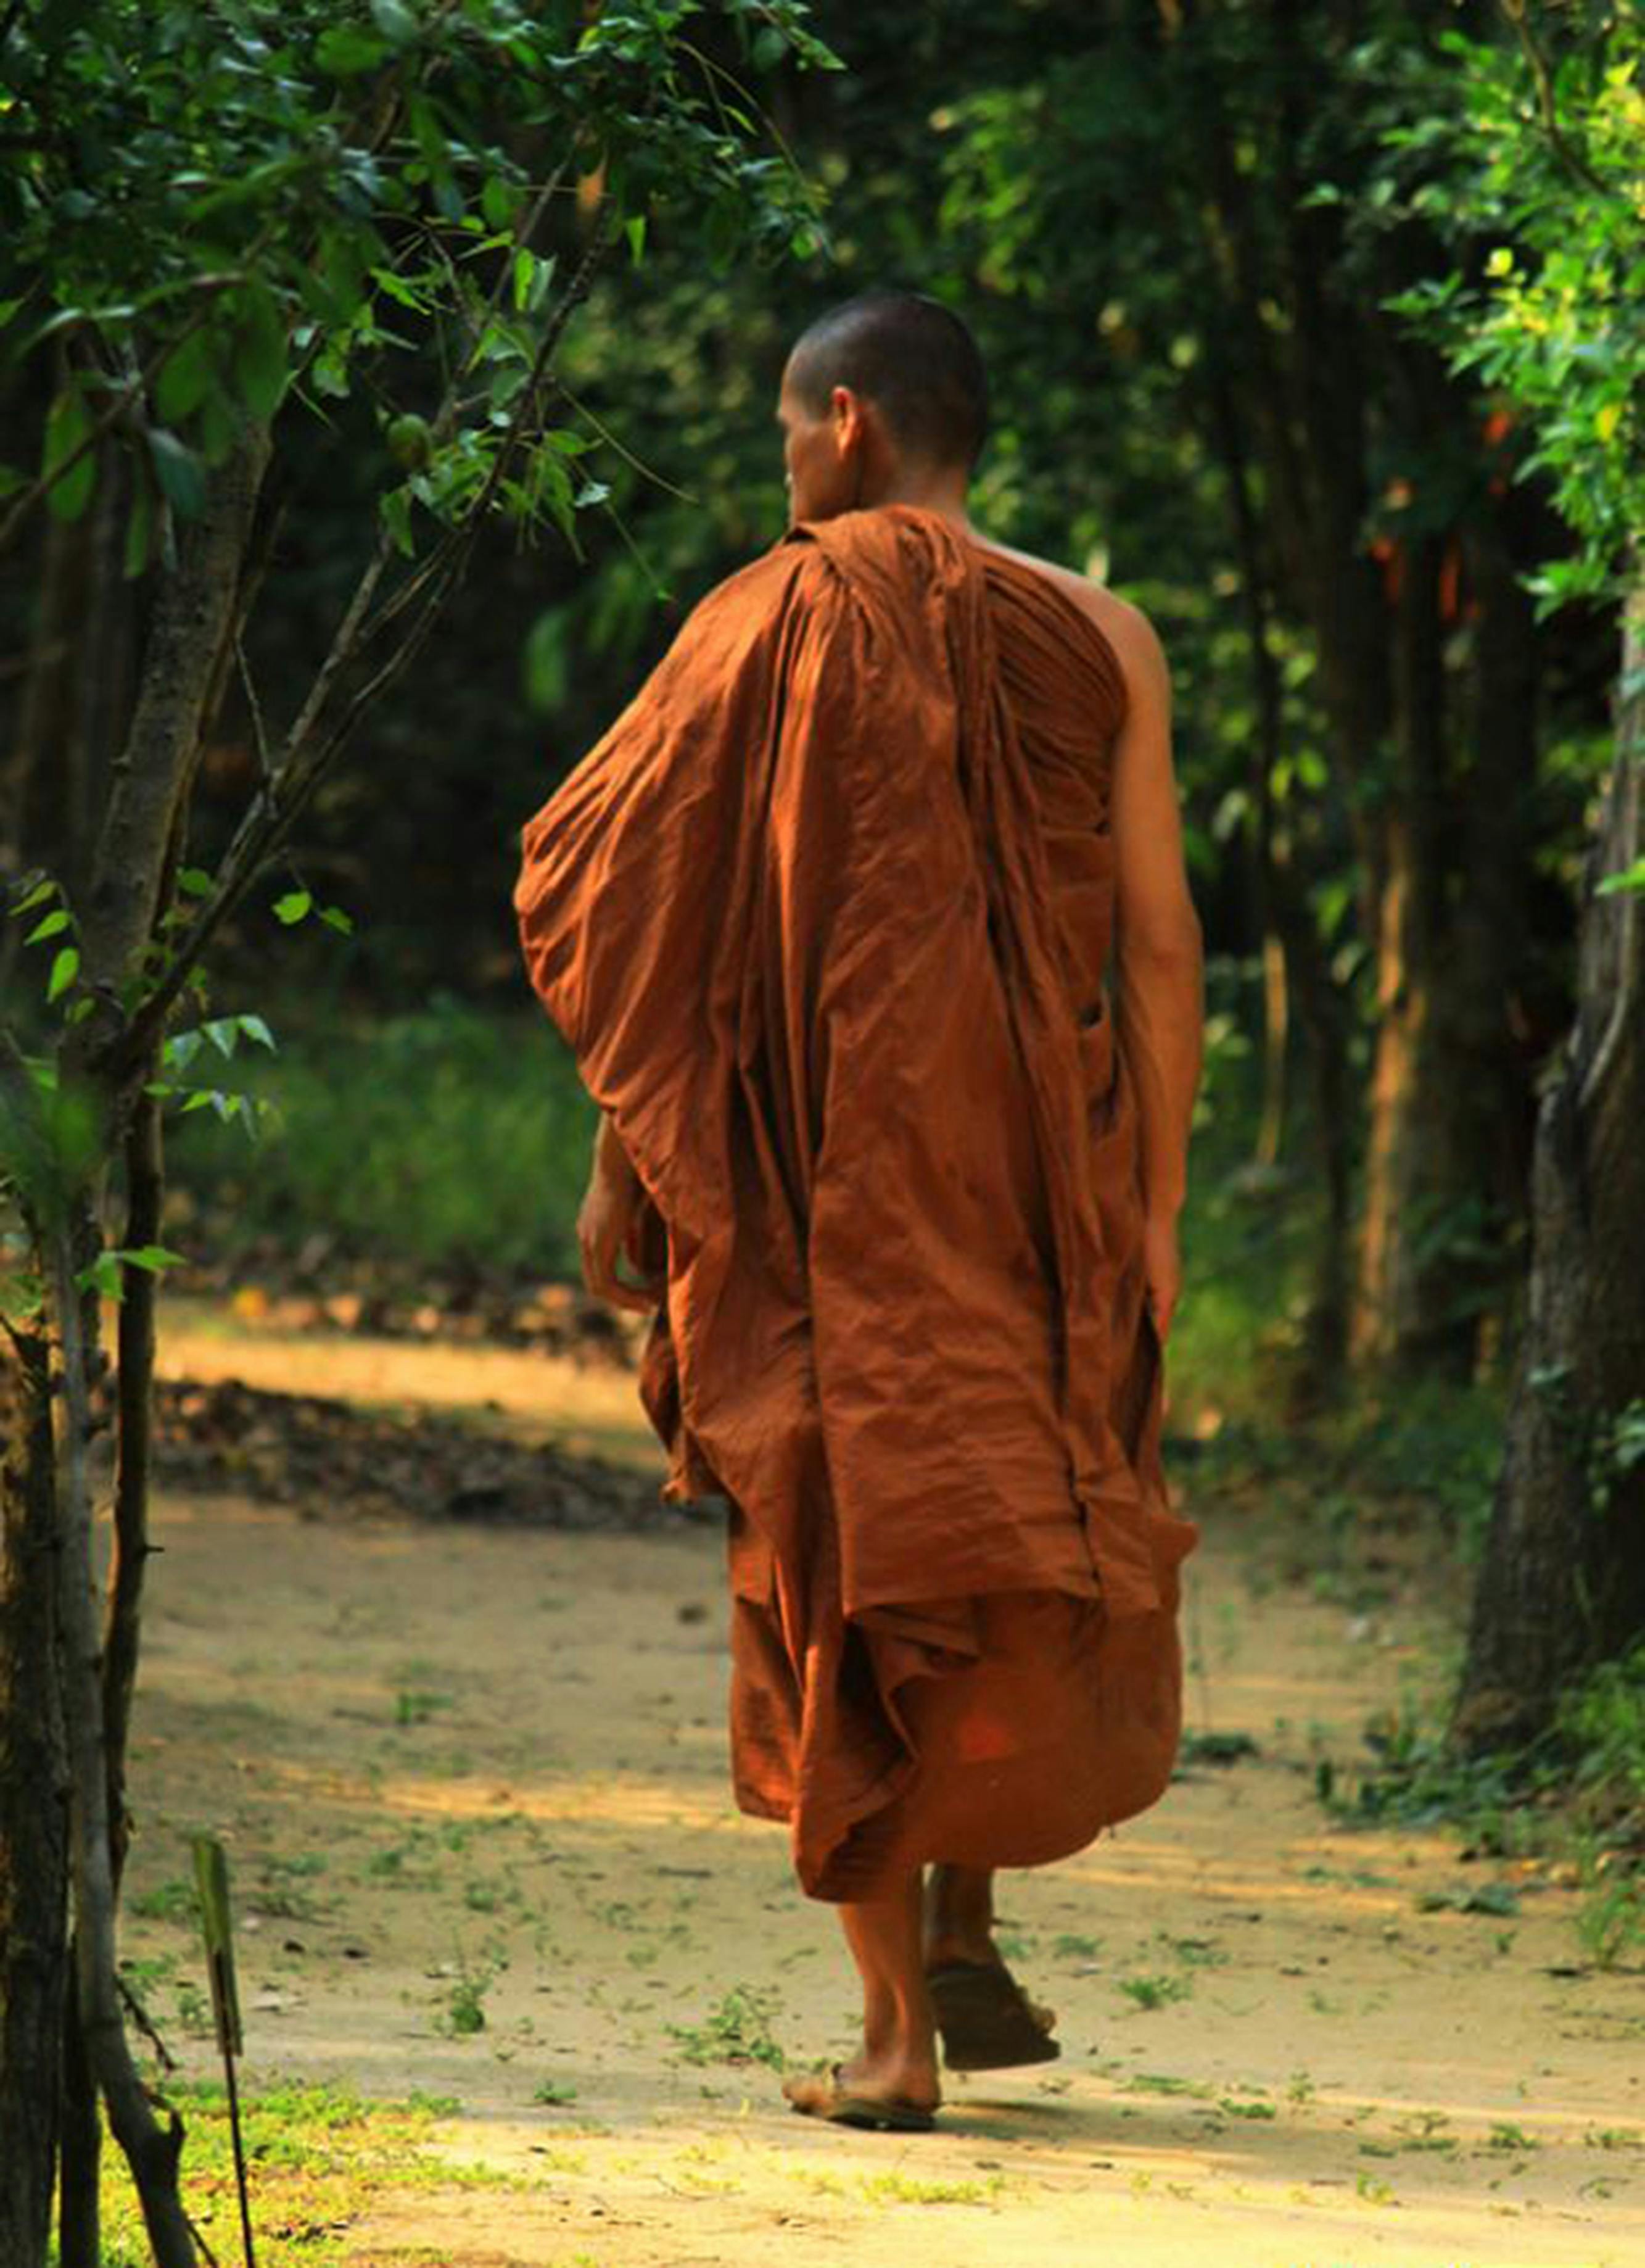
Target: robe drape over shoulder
(825, 918)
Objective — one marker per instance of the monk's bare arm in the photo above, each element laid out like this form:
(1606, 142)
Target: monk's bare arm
(1158, 968)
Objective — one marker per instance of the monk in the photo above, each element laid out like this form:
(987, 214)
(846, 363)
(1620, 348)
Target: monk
(868, 924)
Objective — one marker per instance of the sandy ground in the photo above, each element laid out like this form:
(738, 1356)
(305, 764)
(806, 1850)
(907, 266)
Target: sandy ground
(470, 1775)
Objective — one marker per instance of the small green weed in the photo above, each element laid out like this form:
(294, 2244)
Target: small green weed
(1505, 2136)
(1159, 1992)
(907, 2189)
(1499, 1898)
(737, 2030)
(464, 2010)
(193, 2010)
(173, 1901)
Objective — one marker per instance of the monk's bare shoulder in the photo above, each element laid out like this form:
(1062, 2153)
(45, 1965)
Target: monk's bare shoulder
(1126, 627)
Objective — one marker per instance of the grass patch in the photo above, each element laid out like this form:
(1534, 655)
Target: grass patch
(319, 2159)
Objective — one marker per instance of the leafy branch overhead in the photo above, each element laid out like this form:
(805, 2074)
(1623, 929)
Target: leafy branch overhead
(242, 213)
(1532, 164)
(207, 210)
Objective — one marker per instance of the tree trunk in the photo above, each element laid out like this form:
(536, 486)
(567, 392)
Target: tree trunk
(33, 1811)
(151, 2150)
(1403, 1306)
(1562, 1583)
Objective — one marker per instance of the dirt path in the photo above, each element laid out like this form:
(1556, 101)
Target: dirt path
(471, 1776)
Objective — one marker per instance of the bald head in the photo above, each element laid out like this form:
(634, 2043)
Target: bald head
(911, 357)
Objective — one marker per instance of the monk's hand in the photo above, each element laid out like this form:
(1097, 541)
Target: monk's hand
(1162, 1270)
(610, 1225)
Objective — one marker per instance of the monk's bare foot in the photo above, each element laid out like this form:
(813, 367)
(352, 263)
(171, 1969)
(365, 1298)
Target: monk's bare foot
(831, 2096)
(898, 2092)
(900, 2072)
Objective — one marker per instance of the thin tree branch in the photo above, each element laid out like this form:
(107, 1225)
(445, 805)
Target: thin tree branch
(1542, 77)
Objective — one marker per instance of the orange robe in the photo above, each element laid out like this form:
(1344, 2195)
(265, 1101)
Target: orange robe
(825, 918)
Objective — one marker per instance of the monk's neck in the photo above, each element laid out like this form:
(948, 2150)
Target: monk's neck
(941, 494)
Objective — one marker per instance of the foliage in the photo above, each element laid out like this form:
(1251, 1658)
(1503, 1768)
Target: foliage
(465, 1145)
(1536, 159)
(1575, 1798)
(216, 207)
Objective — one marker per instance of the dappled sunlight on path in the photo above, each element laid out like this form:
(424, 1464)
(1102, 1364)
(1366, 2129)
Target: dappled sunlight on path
(473, 1787)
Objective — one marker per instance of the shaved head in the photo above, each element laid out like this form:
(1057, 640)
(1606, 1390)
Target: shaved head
(913, 359)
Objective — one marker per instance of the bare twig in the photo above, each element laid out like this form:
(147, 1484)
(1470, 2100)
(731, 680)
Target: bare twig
(259, 736)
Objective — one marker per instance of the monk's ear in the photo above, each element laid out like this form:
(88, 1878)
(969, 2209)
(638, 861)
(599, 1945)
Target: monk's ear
(847, 415)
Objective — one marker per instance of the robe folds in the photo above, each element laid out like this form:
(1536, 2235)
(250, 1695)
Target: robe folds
(824, 919)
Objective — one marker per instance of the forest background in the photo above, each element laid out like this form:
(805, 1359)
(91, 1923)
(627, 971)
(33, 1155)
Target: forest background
(1314, 327)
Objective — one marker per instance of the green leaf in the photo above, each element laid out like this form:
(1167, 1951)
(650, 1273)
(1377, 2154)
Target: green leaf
(396, 21)
(151, 1258)
(255, 1028)
(1630, 878)
(335, 918)
(179, 472)
(634, 230)
(53, 925)
(188, 376)
(44, 888)
(224, 1032)
(346, 50)
(260, 352)
(195, 882)
(65, 968)
(68, 425)
(497, 202)
(293, 907)
(103, 1276)
(396, 510)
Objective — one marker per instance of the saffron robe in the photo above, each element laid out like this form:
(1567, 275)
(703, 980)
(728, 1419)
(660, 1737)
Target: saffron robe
(823, 918)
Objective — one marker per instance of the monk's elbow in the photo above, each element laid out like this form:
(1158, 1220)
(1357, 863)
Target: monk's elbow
(1167, 951)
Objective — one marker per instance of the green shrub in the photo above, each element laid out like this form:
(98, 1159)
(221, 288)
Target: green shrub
(449, 1137)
